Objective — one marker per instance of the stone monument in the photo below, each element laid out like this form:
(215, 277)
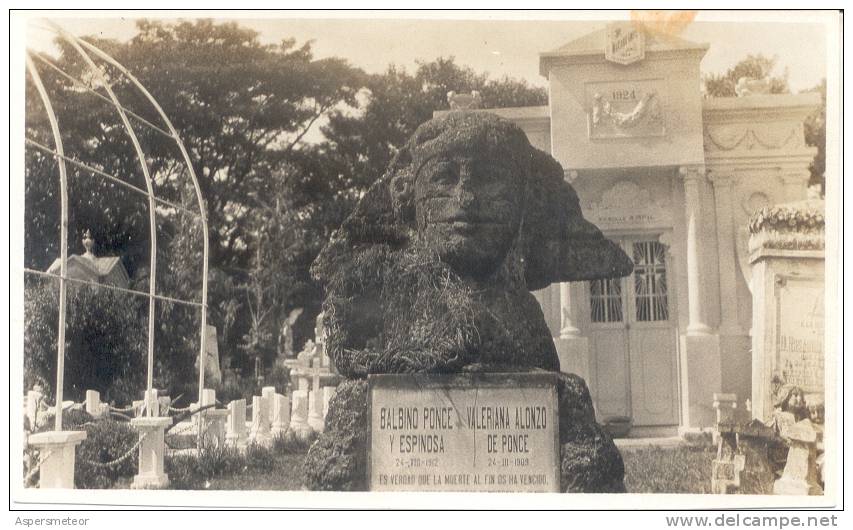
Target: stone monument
(788, 359)
(787, 255)
(447, 361)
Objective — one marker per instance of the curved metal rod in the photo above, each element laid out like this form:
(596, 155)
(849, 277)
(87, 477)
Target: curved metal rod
(202, 210)
(80, 83)
(112, 178)
(152, 280)
(63, 241)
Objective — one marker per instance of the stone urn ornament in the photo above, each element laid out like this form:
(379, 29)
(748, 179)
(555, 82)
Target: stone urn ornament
(433, 272)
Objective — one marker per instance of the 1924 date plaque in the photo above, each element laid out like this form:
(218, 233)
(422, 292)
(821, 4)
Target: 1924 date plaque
(464, 432)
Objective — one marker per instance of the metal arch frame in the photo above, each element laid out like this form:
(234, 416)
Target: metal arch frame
(60, 156)
(201, 206)
(152, 210)
(63, 243)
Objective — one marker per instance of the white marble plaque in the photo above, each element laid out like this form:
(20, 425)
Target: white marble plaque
(466, 432)
(800, 335)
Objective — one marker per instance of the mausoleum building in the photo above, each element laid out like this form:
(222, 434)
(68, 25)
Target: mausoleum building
(673, 177)
(88, 267)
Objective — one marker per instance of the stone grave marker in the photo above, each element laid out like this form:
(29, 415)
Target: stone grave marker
(299, 412)
(280, 414)
(787, 257)
(236, 434)
(260, 421)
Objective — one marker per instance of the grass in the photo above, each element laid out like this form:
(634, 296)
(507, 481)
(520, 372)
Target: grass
(285, 474)
(682, 469)
(274, 467)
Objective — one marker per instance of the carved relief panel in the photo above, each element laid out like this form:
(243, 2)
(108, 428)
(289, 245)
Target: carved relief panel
(625, 109)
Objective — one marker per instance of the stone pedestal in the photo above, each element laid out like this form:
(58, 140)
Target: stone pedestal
(787, 256)
(587, 460)
(151, 452)
(787, 344)
(56, 457)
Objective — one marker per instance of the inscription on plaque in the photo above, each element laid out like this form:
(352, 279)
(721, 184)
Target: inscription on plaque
(467, 432)
(800, 335)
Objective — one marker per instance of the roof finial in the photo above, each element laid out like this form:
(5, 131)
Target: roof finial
(88, 243)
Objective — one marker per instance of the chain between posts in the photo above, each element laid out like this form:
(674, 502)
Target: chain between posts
(120, 459)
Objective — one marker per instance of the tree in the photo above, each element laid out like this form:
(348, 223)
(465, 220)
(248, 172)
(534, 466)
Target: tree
(360, 145)
(241, 108)
(105, 341)
(753, 67)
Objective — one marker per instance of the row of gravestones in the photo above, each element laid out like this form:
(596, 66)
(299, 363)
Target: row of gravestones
(783, 455)
(273, 414)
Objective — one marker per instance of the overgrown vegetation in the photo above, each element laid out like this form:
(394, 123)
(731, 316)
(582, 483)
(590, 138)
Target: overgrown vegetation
(683, 469)
(104, 341)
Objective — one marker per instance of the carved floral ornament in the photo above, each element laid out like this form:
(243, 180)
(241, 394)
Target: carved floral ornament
(793, 226)
(787, 218)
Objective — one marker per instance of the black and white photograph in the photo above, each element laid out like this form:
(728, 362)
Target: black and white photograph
(271, 259)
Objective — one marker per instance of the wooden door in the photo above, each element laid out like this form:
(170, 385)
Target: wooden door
(652, 336)
(633, 339)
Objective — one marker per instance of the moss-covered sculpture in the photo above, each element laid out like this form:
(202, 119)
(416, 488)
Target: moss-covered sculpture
(432, 272)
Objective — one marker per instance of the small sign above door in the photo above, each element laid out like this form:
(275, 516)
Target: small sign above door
(625, 205)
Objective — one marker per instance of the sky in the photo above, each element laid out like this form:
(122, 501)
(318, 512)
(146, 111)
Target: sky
(505, 43)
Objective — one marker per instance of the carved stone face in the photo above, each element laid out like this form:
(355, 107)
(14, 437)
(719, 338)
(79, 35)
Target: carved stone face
(468, 207)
